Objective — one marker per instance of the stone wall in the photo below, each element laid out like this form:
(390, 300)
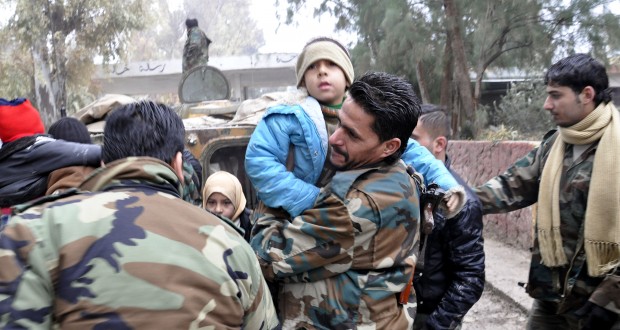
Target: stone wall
(478, 161)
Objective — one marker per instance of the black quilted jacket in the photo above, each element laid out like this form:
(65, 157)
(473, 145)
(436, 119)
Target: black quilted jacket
(452, 278)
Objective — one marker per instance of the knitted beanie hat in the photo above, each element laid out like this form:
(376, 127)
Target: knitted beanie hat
(324, 49)
(70, 129)
(18, 118)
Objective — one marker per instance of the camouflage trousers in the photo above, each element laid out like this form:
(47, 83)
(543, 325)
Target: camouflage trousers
(543, 316)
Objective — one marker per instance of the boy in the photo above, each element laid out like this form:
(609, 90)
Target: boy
(292, 181)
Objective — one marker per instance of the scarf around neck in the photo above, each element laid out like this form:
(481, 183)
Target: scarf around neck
(602, 217)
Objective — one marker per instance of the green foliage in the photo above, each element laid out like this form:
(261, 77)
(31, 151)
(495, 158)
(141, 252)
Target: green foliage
(397, 35)
(521, 111)
(15, 70)
(50, 47)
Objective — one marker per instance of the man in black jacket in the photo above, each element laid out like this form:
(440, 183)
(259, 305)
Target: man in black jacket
(27, 155)
(449, 275)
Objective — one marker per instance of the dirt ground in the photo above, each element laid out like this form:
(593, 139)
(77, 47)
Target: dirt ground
(492, 312)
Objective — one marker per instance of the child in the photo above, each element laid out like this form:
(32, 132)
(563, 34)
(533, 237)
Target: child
(285, 158)
(223, 195)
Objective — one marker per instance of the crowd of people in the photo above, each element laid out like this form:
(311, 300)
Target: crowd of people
(129, 235)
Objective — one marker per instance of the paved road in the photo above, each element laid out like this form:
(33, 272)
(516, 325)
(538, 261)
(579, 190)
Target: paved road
(494, 311)
(503, 304)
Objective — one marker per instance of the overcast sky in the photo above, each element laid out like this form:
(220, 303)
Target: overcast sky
(280, 37)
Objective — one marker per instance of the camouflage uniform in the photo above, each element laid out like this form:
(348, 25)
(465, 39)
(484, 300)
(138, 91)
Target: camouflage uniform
(344, 262)
(130, 254)
(196, 49)
(192, 180)
(567, 287)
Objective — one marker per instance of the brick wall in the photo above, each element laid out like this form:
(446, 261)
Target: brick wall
(478, 161)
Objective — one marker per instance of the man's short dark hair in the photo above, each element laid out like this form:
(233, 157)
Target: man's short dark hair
(578, 71)
(392, 102)
(436, 122)
(70, 129)
(191, 22)
(143, 128)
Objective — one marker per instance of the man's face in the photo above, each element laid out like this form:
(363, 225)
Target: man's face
(325, 82)
(564, 105)
(354, 143)
(423, 137)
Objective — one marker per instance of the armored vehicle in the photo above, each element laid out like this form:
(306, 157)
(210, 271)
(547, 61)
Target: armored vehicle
(217, 130)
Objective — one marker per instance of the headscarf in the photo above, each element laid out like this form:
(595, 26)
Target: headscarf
(228, 185)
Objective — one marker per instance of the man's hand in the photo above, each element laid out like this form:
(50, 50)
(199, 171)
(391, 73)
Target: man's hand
(596, 317)
(454, 201)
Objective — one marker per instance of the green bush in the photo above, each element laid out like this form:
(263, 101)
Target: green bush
(520, 112)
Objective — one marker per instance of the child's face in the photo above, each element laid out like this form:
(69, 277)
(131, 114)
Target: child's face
(326, 82)
(221, 205)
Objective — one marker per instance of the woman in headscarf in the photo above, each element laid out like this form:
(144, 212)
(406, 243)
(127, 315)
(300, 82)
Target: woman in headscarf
(223, 195)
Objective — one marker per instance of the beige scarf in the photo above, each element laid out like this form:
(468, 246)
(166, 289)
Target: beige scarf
(602, 218)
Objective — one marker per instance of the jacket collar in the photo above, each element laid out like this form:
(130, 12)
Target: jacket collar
(134, 171)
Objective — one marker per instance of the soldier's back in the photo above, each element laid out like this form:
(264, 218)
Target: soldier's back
(135, 258)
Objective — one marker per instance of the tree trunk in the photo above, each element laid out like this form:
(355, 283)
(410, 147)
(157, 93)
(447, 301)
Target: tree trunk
(478, 88)
(424, 94)
(44, 95)
(59, 76)
(447, 99)
(50, 68)
(461, 73)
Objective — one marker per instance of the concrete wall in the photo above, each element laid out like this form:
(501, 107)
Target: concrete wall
(478, 161)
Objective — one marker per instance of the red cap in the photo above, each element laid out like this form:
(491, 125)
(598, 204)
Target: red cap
(18, 118)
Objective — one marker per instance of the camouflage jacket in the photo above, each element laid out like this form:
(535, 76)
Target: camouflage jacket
(196, 49)
(128, 255)
(344, 262)
(570, 285)
(191, 190)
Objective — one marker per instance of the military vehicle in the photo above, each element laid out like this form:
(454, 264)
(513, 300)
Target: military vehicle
(217, 130)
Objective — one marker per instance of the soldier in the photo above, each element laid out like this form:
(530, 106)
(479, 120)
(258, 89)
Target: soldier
(130, 253)
(344, 261)
(574, 177)
(449, 275)
(295, 135)
(196, 49)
